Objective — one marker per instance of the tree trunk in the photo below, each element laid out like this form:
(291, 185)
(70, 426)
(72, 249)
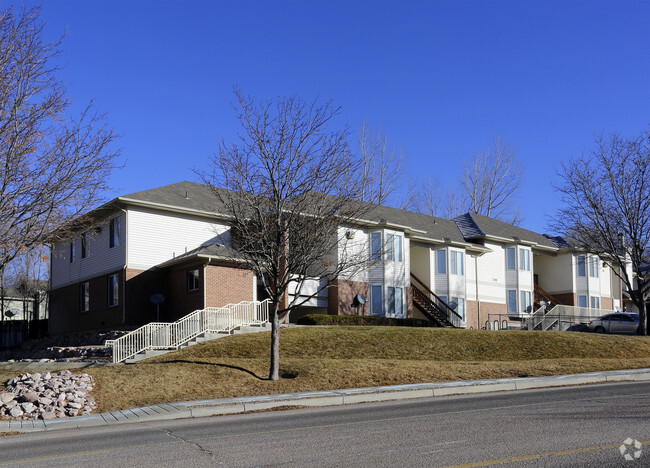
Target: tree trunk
(643, 319)
(274, 372)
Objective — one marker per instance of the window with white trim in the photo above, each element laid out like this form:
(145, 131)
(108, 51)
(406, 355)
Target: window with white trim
(595, 302)
(511, 258)
(441, 262)
(524, 259)
(113, 291)
(582, 270)
(114, 233)
(375, 246)
(456, 263)
(72, 251)
(582, 301)
(593, 267)
(525, 300)
(460, 306)
(376, 300)
(84, 245)
(512, 301)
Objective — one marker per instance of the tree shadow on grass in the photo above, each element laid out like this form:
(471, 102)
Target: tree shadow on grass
(227, 366)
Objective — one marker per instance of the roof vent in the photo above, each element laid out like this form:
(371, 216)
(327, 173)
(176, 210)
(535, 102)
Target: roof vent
(187, 196)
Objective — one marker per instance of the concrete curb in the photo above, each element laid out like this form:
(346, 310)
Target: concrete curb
(197, 409)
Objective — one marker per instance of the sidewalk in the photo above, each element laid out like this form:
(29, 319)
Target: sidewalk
(197, 409)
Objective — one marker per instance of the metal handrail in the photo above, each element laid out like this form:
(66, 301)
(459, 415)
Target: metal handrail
(452, 316)
(159, 335)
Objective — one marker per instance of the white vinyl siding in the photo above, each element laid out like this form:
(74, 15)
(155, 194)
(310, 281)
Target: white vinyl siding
(155, 237)
(102, 260)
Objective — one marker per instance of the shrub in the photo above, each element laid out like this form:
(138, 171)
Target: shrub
(317, 319)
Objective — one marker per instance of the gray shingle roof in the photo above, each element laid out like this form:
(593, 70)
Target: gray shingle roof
(475, 226)
(185, 195)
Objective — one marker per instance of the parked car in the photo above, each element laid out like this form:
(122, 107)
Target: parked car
(616, 323)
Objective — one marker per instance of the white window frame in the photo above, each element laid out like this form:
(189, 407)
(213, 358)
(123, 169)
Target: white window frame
(113, 290)
(114, 233)
(460, 306)
(194, 276)
(593, 267)
(85, 251)
(511, 258)
(376, 300)
(594, 302)
(524, 260)
(456, 262)
(581, 266)
(441, 261)
(72, 250)
(511, 300)
(582, 301)
(375, 245)
(525, 302)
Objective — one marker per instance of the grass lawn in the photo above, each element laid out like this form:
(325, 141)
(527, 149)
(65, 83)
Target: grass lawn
(323, 358)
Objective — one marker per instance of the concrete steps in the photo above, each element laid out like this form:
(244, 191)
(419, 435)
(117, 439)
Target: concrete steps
(200, 339)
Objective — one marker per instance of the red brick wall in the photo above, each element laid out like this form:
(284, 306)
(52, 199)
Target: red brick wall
(340, 297)
(228, 285)
(65, 315)
(607, 303)
(474, 321)
(140, 286)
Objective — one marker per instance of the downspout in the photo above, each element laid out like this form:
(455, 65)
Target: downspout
(478, 301)
(126, 263)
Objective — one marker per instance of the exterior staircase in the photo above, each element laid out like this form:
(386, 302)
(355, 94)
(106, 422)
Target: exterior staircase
(434, 308)
(158, 338)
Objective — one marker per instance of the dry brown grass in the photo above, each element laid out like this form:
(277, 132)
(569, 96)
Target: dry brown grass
(323, 358)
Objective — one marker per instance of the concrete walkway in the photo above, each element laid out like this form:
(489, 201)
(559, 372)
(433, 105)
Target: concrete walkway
(197, 409)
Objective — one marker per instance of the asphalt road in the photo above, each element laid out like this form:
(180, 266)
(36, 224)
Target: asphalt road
(575, 426)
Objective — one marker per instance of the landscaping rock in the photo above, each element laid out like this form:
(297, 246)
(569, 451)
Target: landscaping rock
(34, 396)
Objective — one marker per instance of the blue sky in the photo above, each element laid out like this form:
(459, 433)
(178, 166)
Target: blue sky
(442, 77)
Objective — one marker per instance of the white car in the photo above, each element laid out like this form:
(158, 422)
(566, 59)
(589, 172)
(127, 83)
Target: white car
(616, 323)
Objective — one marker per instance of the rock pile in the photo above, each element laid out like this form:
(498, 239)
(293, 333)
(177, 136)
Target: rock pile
(47, 396)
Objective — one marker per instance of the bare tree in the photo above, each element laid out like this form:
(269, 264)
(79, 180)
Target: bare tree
(490, 179)
(54, 168)
(289, 186)
(606, 197)
(383, 168)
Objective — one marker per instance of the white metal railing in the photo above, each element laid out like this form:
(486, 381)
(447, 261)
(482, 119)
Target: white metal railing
(173, 335)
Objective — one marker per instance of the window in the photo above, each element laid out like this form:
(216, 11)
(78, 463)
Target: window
(84, 297)
(511, 258)
(394, 247)
(114, 233)
(84, 245)
(441, 261)
(72, 251)
(460, 306)
(524, 259)
(394, 301)
(593, 267)
(399, 302)
(581, 266)
(376, 305)
(595, 302)
(375, 245)
(390, 247)
(398, 248)
(512, 301)
(582, 301)
(113, 291)
(193, 280)
(390, 299)
(456, 260)
(525, 302)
